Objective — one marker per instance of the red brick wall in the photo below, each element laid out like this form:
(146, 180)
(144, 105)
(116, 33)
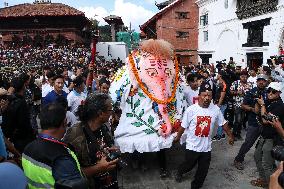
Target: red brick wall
(168, 25)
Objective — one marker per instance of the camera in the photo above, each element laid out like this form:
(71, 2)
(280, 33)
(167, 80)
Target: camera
(116, 155)
(278, 59)
(256, 94)
(278, 154)
(269, 117)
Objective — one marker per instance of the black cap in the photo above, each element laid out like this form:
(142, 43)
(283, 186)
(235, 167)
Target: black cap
(205, 87)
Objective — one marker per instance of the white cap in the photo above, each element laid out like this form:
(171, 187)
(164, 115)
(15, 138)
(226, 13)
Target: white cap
(275, 85)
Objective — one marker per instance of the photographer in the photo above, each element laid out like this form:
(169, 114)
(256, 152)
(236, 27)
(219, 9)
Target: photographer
(93, 144)
(253, 129)
(272, 114)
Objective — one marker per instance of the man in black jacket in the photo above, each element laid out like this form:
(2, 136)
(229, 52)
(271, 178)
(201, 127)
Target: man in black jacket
(16, 120)
(270, 135)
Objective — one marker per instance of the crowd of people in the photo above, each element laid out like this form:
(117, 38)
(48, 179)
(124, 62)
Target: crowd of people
(58, 119)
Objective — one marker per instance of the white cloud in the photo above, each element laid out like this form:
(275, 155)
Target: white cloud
(129, 12)
(153, 1)
(97, 13)
(133, 13)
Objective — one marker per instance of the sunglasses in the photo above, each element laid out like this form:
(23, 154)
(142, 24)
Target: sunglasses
(273, 91)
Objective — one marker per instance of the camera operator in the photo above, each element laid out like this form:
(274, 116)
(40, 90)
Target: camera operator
(272, 114)
(93, 143)
(253, 129)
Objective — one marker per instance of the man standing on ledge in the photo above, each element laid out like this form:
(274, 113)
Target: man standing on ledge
(198, 123)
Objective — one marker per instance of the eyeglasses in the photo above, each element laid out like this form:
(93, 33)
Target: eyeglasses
(273, 91)
(110, 110)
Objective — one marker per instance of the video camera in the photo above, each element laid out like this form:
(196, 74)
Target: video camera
(257, 94)
(278, 59)
(278, 154)
(269, 117)
(112, 155)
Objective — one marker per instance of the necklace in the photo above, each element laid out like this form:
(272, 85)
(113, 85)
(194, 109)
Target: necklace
(152, 97)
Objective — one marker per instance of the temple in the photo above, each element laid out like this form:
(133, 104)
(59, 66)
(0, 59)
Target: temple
(42, 23)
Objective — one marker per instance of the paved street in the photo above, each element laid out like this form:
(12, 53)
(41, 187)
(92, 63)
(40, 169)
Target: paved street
(222, 174)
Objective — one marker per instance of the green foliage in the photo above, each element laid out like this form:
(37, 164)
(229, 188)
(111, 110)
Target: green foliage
(141, 113)
(129, 115)
(137, 103)
(149, 131)
(151, 120)
(137, 124)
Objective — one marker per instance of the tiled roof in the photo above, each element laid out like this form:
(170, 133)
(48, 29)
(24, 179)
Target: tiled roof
(45, 9)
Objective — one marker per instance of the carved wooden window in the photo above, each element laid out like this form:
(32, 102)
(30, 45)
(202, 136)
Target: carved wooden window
(204, 20)
(182, 15)
(205, 35)
(182, 34)
(226, 4)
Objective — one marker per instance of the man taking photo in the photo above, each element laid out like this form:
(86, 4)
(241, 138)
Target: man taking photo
(269, 136)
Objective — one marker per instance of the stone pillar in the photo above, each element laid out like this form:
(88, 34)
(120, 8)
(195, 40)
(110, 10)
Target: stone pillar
(113, 32)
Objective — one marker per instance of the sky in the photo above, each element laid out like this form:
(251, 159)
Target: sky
(135, 12)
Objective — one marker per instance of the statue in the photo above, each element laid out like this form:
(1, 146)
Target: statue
(149, 94)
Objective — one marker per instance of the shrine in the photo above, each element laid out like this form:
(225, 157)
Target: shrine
(43, 23)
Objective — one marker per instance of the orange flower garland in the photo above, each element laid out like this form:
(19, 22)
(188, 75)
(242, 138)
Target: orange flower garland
(135, 71)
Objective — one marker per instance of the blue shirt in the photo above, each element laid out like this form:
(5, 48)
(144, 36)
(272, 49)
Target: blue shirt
(3, 151)
(11, 176)
(52, 96)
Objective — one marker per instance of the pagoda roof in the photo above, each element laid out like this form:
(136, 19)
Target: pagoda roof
(163, 4)
(114, 19)
(160, 13)
(39, 9)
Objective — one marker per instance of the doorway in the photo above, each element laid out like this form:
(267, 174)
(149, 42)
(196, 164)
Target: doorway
(254, 60)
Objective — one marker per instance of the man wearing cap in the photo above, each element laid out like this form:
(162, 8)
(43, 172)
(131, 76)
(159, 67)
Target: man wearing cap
(238, 90)
(198, 123)
(271, 133)
(253, 129)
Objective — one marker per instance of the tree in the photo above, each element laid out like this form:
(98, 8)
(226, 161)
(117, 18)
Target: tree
(104, 31)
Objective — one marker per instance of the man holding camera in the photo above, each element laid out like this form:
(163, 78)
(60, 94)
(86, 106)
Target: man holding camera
(271, 133)
(253, 130)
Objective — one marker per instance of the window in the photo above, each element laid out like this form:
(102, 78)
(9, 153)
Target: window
(205, 34)
(226, 4)
(204, 20)
(181, 34)
(182, 15)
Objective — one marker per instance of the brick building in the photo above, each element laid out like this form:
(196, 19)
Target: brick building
(42, 23)
(177, 23)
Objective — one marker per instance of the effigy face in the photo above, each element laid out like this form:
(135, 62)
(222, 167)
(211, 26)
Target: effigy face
(157, 74)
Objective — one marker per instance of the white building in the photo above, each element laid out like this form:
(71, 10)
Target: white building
(250, 31)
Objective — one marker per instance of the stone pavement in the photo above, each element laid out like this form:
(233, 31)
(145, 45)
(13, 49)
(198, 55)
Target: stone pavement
(222, 174)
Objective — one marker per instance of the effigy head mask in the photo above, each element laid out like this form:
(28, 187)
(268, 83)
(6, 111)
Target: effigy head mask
(155, 70)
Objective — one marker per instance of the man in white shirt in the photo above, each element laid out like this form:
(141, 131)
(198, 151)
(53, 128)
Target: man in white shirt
(48, 86)
(77, 97)
(191, 90)
(278, 74)
(198, 123)
(252, 78)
